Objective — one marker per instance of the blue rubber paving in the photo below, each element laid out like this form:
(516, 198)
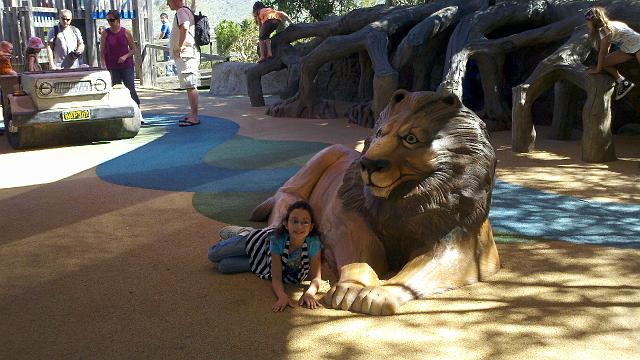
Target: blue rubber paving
(211, 160)
(185, 159)
(524, 211)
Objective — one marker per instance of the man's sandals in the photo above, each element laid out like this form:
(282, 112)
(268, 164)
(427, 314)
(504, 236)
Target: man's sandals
(185, 122)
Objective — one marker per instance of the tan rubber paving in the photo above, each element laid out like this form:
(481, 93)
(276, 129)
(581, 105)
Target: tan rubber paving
(93, 270)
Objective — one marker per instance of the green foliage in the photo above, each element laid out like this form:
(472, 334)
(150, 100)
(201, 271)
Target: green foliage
(368, 3)
(239, 41)
(244, 48)
(314, 10)
(227, 33)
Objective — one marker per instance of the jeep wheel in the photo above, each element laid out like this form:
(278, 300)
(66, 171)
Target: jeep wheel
(131, 126)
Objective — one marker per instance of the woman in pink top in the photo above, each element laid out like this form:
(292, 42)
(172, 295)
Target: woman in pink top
(116, 53)
(268, 20)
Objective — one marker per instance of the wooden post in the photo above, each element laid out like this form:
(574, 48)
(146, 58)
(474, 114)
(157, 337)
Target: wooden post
(149, 54)
(28, 23)
(91, 51)
(2, 23)
(143, 68)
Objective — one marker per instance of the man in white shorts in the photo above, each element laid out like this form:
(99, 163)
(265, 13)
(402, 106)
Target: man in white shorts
(186, 56)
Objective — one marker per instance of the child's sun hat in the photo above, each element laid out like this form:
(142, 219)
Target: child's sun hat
(35, 43)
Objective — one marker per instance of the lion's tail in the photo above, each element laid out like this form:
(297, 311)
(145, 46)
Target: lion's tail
(262, 211)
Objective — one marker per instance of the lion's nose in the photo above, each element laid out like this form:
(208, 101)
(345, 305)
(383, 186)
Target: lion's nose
(372, 166)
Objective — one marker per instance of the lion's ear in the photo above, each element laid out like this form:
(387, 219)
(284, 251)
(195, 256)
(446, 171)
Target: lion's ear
(451, 99)
(397, 97)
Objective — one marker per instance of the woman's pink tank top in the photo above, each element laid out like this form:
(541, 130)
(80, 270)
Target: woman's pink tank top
(116, 46)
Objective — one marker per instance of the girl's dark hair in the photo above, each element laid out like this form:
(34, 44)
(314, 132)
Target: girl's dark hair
(257, 6)
(115, 14)
(300, 204)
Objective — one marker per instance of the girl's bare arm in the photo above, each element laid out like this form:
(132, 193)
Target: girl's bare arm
(283, 299)
(605, 43)
(31, 64)
(308, 298)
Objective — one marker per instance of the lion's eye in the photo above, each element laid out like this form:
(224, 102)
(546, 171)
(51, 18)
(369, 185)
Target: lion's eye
(410, 139)
(379, 133)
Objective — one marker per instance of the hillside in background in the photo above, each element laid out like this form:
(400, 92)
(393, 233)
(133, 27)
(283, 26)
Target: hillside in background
(216, 10)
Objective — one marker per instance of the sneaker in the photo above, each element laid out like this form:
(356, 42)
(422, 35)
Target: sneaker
(623, 88)
(233, 230)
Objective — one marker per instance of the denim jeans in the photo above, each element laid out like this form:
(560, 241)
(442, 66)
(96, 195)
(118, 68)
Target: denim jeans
(231, 255)
(125, 76)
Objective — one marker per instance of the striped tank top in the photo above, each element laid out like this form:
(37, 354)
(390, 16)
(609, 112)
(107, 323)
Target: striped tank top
(257, 247)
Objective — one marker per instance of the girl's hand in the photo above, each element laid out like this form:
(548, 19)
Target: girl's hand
(282, 304)
(122, 59)
(593, 70)
(308, 301)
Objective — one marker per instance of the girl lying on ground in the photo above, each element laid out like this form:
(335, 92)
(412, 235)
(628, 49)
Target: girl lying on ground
(289, 253)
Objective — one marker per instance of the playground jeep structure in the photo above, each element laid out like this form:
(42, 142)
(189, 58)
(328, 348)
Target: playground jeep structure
(63, 107)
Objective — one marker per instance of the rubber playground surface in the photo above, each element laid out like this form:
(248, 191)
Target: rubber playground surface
(103, 250)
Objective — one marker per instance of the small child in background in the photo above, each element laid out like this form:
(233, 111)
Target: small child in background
(604, 33)
(268, 21)
(34, 46)
(6, 52)
(289, 253)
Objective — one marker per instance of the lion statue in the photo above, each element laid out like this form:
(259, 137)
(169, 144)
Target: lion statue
(413, 205)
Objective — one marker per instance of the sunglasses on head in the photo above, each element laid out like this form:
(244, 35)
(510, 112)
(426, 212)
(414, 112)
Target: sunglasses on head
(589, 15)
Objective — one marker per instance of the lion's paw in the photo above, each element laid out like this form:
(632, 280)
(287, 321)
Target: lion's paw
(373, 300)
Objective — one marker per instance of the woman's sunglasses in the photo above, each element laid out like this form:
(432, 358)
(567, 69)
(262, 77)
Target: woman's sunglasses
(111, 20)
(589, 15)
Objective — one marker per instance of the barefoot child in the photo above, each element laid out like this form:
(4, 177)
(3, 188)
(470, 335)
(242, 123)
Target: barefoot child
(289, 253)
(606, 32)
(268, 21)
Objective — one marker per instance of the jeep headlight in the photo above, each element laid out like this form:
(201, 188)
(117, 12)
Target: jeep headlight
(45, 88)
(100, 85)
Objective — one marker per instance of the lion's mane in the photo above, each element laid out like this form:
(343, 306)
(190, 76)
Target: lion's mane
(457, 193)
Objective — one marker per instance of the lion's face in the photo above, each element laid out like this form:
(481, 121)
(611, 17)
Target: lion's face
(427, 168)
(412, 137)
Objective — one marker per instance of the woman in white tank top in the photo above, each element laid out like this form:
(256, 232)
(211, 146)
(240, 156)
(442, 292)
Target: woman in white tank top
(604, 33)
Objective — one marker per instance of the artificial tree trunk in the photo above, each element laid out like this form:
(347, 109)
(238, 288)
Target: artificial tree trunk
(404, 46)
(566, 65)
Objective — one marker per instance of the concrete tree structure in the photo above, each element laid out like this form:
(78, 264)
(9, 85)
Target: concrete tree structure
(430, 47)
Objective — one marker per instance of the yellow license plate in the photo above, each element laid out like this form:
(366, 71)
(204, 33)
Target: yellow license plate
(75, 115)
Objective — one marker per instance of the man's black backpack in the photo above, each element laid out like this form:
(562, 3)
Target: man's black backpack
(202, 34)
